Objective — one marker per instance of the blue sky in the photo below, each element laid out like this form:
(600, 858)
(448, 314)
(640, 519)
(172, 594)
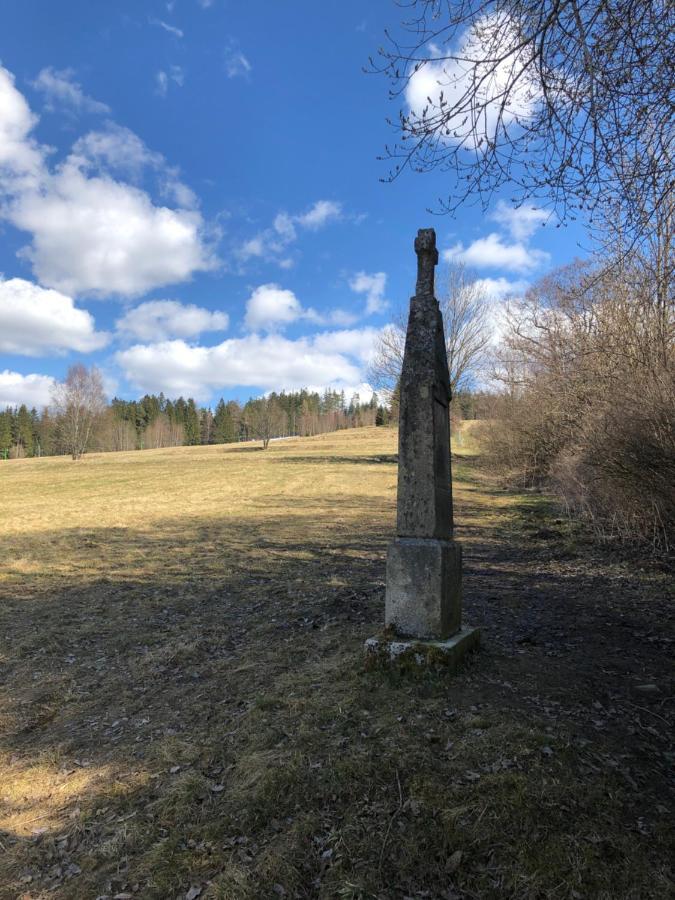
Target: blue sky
(190, 198)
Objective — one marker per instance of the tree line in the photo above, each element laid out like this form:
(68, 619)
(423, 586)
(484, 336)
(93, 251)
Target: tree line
(80, 419)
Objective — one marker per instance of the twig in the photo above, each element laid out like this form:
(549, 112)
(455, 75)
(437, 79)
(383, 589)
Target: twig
(45, 815)
(391, 822)
(651, 712)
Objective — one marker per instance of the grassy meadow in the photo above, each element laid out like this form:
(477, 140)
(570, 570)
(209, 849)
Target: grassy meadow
(184, 710)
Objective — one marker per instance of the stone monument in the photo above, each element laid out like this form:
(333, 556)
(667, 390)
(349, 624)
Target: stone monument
(423, 605)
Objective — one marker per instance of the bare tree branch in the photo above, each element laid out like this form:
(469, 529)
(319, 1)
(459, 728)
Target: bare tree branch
(566, 102)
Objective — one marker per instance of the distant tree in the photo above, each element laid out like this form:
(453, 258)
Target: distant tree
(78, 402)
(192, 429)
(264, 419)
(206, 426)
(23, 430)
(465, 309)
(5, 433)
(115, 431)
(226, 422)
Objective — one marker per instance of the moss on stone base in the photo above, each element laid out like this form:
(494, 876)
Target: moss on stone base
(410, 655)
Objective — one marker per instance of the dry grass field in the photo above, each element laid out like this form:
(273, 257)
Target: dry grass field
(184, 710)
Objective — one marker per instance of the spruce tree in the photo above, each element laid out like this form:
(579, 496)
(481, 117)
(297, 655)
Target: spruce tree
(5, 433)
(192, 430)
(23, 430)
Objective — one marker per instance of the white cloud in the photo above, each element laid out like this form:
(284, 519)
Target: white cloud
(520, 221)
(322, 212)
(236, 64)
(61, 90)
(255, 246)
(271, 307)
(493, 252)
(356, 342)
(455, 77)
(171, 29)
(114, 147)
(92, 234)
(177, 75)
(269, 362)
(159, 320)
(273, 243)
(162, 82)
(98, 236)
(373, 286)
(162, 79)
(35, 321)
(33, 390)
(283, 225)
(500, 288)
(19, 153)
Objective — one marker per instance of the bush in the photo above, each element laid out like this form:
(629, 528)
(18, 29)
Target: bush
(588, 406)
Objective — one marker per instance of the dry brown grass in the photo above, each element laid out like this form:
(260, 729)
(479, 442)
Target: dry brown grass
(183, 701)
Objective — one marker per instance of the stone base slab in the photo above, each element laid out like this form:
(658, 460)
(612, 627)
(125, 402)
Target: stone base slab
(424, 588)
(413, 654)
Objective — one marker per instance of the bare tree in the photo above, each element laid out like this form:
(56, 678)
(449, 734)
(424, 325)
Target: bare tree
(78, 402)
(465, 309)
(264, 419)
(568, 102)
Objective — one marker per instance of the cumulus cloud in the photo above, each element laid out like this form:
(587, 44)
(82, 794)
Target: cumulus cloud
(455, 77)
(493, 252)
(19, 153)
(520, 221)
(35, 321)
(318, 215)
(264, 362)
(373, 286)
(159, 320)
(62, 91)
(90, 233)
(33, 390)
(98, 236)
(271, 307)
(273, 243)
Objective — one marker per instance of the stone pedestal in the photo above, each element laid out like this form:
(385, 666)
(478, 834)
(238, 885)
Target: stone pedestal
(424, 588)
(411, 655)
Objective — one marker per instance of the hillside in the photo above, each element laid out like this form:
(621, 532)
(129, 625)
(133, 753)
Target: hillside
(184, 709)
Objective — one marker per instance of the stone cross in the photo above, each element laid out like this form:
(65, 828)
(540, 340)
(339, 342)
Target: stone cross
(427, 259)
(424, 564)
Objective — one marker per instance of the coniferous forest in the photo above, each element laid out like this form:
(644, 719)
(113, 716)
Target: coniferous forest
(156, 421)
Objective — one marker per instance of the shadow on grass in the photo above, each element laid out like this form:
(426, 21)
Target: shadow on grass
(390, 458)
(197, 712)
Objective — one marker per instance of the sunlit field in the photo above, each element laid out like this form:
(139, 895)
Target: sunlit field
(184, 709)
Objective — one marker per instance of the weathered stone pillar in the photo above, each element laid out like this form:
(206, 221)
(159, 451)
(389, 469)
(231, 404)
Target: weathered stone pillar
(424, 564)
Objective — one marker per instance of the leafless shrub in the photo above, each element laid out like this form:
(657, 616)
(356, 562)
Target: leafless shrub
(589, 400)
